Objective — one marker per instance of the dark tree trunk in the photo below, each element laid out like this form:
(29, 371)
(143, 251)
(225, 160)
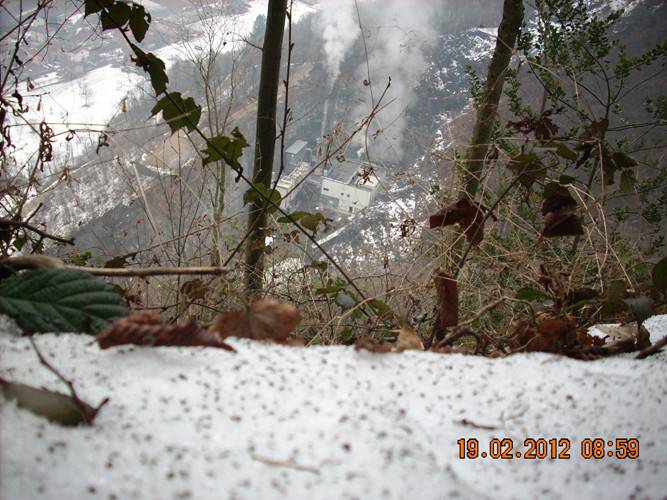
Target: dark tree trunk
(488, 108)
(265, 141)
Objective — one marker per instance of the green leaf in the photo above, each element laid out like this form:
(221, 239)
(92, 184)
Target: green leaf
(564, 152)
(81, 259)
(306, 219)
(628, 181)
(178, 112)
(566, 179)
(530, 294)
(616, 290)
(259, 193)
(224, 148)
(139, 21)
(293, 217)
(311, 221)
(624, 160)
(93, 6)
(345, 300)
(60, 300)
(318, 264)
(115, 16)
(152, 65)
(381, 308)
(528, 167)
(116, 262)
(659, 275)
(611, 308)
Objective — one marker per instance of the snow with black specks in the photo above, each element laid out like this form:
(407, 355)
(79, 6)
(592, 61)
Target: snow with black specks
(328, 422)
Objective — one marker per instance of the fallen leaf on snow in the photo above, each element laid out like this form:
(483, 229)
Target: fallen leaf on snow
(145, 328)
(266, 319)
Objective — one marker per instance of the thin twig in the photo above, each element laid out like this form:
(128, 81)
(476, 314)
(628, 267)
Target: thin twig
(283, 463)
(150, 271)
(654, 349)
(88, 412)
(37, 230)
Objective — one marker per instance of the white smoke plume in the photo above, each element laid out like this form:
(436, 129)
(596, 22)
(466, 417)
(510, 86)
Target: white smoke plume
(339, 31)
(396, 33)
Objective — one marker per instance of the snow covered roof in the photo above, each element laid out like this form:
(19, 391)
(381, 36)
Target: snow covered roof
(329, 422)
(296, 147)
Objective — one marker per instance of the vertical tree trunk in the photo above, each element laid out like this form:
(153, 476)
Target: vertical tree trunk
(487, 113)
(488, 108)
(265, 141)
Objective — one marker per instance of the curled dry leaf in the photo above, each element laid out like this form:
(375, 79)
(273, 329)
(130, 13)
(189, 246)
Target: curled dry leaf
(554, 335)
(145, 328)
(266, 319)
(372, 346)
(195, 289)
(408, 340)
(448, 300)
(560, 217)
(467, 214)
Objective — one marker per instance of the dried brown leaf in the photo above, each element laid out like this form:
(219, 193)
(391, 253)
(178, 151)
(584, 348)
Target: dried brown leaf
(448, 300)
(560, 217)
(372, 346)
(467, 214)
(145, 328)
(408, 340)
(266, 319)
(195, 289)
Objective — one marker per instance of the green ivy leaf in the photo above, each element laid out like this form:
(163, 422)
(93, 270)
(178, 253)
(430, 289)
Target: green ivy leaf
(628, 181)
(81, 259)
(253, 195)
(116, 16)
(564, 152)
(623, 160)
(60, 300)
(178, 112)
(312, 221)
(152, 65)
(224, 148)
(320, 265)
(530, 294)
(139, 21)
(308, 220)
(381, 308)
(659, 275)
(528, 167)
(293, 217)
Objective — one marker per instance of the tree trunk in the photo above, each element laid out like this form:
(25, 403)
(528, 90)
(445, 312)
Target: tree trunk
(488, 108)
(487, 114)
(265, 141)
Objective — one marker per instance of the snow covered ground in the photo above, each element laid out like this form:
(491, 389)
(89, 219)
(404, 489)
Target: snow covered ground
(330, 422)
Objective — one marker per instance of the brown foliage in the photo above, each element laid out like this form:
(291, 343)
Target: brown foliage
(554, 335)
(467, 214)
(147, 329)
(560, 217)
(266, 319)
(448, 300)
